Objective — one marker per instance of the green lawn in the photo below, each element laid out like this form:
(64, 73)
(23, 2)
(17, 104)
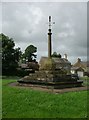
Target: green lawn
(28, 103)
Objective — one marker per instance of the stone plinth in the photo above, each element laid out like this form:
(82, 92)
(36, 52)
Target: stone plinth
(50, 75)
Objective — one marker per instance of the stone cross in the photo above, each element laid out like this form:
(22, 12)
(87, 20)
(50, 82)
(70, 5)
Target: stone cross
(49, 38)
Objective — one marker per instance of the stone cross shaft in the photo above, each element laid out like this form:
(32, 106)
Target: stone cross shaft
(49, 39)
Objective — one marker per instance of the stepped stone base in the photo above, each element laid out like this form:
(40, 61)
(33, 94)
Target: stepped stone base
(52, 79)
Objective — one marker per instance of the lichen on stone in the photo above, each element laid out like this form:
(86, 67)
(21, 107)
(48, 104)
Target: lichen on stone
(48, 64)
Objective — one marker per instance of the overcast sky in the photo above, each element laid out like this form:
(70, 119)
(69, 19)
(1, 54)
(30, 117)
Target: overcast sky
(27, 24)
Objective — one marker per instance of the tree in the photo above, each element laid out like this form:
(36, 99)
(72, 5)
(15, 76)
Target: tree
(56, 55)
(29, 53)
(10, 56)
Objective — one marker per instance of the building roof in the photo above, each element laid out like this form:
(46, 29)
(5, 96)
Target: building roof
(61, 60)
(79, 64)
(56, 60)
(77, 68)
(23, 65)
(85, 63)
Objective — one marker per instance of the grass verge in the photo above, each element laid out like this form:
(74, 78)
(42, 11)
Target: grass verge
(28, 103)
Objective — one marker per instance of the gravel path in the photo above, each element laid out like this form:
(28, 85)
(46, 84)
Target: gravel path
(45, 88)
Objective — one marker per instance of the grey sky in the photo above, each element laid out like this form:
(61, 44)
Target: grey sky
(27, 24)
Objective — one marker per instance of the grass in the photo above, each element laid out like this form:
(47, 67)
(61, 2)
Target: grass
(28, 103)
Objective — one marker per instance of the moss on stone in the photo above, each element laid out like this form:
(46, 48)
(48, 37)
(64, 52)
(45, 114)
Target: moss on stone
(48, 64)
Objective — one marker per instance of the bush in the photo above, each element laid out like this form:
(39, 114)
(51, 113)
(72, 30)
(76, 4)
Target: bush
(9, 72)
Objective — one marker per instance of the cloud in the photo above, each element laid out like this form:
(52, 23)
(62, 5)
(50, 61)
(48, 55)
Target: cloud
(27, 23)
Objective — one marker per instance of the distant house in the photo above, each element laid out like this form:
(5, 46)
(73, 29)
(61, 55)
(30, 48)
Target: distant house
(80, 68)
(63, 63)
(29, 66)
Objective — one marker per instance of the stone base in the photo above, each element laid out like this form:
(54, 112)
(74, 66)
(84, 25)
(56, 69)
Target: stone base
(54, 85)
(52, 79)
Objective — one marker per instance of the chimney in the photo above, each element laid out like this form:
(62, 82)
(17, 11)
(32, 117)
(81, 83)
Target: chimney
(79, 60)
(65, 56)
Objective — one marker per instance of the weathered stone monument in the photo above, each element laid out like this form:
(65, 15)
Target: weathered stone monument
(52, 71)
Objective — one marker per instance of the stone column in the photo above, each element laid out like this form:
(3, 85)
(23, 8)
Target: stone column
(49, 39)
(49, 44)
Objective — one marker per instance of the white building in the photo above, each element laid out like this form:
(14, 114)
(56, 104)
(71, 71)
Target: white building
(79, 68)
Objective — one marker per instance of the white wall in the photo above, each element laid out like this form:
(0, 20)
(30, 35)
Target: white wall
(80, 73)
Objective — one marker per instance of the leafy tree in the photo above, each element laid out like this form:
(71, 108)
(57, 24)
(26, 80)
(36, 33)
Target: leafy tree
(56, 55)
(29, 53)
(10, 56)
